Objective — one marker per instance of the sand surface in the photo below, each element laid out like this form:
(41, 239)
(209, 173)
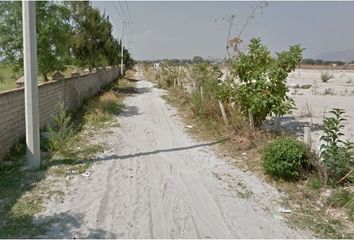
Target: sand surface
(314, 103)
(155, 181)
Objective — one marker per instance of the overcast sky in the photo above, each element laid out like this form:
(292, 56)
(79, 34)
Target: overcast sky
(187, 29)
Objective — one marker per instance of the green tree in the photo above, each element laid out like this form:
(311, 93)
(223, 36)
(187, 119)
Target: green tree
(262, 80)
(92, 42)
(53, 30)
(197, 59)
(127, 58)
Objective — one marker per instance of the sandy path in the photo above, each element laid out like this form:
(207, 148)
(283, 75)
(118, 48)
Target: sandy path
(156, 182)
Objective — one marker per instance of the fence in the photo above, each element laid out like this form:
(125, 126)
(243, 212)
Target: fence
(71, 91)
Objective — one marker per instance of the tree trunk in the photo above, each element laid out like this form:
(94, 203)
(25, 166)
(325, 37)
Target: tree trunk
(45, 77)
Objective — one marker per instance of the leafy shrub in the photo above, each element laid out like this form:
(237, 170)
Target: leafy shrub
(262, 88)
(326, 76)
(286, 158)
(337, 154)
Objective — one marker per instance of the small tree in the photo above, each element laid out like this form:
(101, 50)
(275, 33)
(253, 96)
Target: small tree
(337, 154)
(262, 80)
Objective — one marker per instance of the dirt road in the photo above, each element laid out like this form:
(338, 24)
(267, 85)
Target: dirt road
(155, 181)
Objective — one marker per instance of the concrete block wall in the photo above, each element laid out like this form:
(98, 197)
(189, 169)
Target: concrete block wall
(71, 91)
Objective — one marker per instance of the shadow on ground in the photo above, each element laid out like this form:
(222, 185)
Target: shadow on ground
(133, 90)
(129, 111)
(291, 125)
(139, 154)
(65, 225)
(132, 80)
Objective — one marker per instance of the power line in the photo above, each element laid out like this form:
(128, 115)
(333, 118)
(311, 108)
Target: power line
(120, 5)
(116, 9)
(126, 4)
(126, 35)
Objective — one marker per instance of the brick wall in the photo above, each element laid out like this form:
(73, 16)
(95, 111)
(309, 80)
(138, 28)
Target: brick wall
(71, 91)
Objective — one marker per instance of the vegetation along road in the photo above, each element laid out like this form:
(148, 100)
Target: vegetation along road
(155, 181)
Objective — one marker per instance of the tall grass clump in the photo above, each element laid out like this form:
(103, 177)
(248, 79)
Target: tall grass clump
(204, 96)
(169, 76)
(101, 110)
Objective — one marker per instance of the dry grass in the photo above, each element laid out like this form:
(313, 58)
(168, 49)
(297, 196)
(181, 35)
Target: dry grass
(310, 209)
(210, 126)
(150, 74)
(100, 111)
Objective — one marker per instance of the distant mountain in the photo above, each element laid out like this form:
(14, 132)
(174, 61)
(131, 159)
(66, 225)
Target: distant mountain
(346, 56)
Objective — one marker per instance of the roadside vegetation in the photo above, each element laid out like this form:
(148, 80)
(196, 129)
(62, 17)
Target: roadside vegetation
(234, 107)
(67, 151)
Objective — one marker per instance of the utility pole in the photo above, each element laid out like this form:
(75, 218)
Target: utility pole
(31, 86)
(121, 59)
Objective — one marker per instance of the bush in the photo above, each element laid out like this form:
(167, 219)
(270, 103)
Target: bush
(326, 76)
(286, 158)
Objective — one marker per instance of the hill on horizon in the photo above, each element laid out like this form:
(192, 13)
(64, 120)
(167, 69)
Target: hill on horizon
(346, 56)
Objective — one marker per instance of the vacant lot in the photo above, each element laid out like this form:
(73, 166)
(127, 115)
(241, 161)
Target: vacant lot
(315, 98)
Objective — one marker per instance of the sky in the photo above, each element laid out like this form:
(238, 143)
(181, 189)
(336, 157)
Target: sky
(186, 29)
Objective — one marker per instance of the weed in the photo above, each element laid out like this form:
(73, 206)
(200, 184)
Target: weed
(306, 86)
(328, 91)
(60, 131)
(307, 112)
(314, 90)
(340, 198)
(326, 76)
(100, 111)
(315, 183)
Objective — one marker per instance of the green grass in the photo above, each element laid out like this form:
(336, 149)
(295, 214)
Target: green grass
(7, 78)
